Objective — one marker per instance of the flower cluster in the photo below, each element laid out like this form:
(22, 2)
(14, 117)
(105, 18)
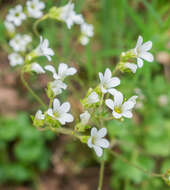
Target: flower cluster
(68, 15)
(59, 112)
(140, 53)
(18, 14)
(20, 43)
(97, 100)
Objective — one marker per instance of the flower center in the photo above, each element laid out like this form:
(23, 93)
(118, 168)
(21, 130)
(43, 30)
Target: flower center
(56, 114)
(17, 14)
(118, 110)
(32, 6)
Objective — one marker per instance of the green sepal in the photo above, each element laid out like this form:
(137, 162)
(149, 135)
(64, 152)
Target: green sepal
(84, 139)
(54, 13)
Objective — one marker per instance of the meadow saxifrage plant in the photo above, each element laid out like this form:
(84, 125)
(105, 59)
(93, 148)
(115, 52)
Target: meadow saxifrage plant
(100, 104)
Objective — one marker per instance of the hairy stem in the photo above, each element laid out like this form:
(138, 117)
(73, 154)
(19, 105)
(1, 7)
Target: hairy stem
(136, 166)
(35, 26)
(66, 131)
(30, 90)
(101, 174)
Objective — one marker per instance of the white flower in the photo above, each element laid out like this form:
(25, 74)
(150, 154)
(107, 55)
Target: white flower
(39, 115)
(59, 112)
(85, 117)
(131, 66)
(87, 29)
(57, 86)
(34, 8)
(141, 51)
(19, 42)
(63, 71)
(97, 142)
(15, 59)
(68, 15)
(84, 40)
(9, 26)
(16, 15)
(107, 81)
(43, 49)
(37, 68)
(118, 107)
(92, 98)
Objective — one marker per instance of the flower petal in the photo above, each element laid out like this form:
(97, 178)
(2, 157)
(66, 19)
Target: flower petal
(116, 115)
(50, 68)
(113, 82)
(56, 104)
(118, 98)
(71, 71)
(62, 68)
(139, 41)
(65, 107)
(109, 103)
(140, 62)
(98, 150)
(127, 114)
(146, 46)
(104, 143)
(90, 142)
(128, 105)
(102, 132)
(147, 56)
(50, 112)
(107, 74)
(131, 66)
(100, 76)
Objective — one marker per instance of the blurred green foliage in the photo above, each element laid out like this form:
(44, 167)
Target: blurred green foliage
(144, 141)
(24, 150)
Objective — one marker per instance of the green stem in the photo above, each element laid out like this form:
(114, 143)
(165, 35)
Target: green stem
(101, 174)
(31, 91)
(134, 165)
(35, 26)
(66, 131)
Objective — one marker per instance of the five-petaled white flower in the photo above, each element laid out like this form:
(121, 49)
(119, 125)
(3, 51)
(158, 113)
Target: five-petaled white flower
(97, 142)
(19, 42)
(57, 86)
(131, 66)
(92, 98)
(43, 49)
(85, 117)
(63, 71)
(16, 15)
(107, 81)
(59, 112)
(141, 51)
(37, 68)
(39, 115)
(15, 59)
(118, 107)
(34, 8)
(68, 15)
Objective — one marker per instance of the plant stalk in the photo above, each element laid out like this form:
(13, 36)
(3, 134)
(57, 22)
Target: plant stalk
(101, 174)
